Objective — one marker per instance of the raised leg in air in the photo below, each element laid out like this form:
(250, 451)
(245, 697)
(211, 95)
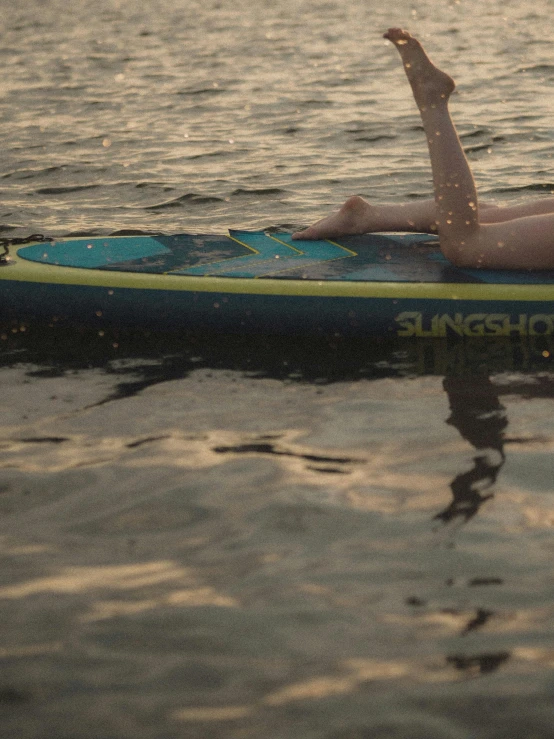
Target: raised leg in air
(455, 193)
(516, 237)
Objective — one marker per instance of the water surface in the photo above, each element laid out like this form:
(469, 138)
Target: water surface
(249, 536)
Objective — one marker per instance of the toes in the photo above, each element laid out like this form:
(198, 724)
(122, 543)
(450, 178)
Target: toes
(397, 35)
(305, 232)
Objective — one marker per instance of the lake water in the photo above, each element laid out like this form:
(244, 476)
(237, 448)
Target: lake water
(244, 537)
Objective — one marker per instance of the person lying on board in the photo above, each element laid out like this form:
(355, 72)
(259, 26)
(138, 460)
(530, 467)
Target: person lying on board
(487, 236)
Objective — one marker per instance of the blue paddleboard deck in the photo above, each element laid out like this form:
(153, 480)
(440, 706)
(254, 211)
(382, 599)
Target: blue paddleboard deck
(376, 284)
(371, 257)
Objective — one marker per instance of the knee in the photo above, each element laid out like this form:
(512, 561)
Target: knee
(464, 253)
(355, 202)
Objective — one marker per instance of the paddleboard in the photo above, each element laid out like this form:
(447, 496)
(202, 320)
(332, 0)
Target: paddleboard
(370, 285)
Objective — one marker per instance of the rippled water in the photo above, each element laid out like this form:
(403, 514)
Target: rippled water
(175, 115)
(251, 537)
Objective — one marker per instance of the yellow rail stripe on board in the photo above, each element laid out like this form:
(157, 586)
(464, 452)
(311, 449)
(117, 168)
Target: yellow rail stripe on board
(25, 271)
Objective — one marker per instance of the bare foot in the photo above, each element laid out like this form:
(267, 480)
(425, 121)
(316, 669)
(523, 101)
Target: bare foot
(353, 218)
(430, 85)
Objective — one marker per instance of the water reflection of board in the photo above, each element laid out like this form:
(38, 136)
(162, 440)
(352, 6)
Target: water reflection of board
(377, 284)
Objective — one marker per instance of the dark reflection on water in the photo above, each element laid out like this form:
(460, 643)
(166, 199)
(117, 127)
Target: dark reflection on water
(476, 410)
(308, 545)
(480, 418)
(59, 349)
(270, 448)
(467, 366)
(483, 663)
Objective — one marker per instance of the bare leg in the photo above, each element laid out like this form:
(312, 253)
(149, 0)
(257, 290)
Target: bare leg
(455, 192)
(523, 243)
(357, 216)
(520, 237)
(431, 88)
(491, 213)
